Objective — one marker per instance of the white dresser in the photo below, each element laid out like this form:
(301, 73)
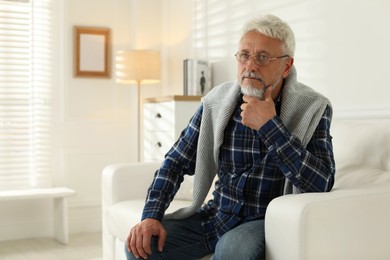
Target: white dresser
(164, 120)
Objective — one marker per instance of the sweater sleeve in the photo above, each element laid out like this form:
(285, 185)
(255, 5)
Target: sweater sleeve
(179, 161)
(310, 168)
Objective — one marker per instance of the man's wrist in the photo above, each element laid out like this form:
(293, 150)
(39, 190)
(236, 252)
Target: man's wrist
(272, 132)
(152, 214)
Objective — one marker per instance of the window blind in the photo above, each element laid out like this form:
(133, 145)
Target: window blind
(217, 27)
(25, 94)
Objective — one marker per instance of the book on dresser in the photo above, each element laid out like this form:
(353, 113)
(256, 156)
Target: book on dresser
(197, 77)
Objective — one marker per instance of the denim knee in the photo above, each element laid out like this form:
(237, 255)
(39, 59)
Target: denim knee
(246, 242)
(129, 256)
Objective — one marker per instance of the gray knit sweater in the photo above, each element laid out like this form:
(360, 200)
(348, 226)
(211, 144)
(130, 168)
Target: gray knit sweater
(301, 111)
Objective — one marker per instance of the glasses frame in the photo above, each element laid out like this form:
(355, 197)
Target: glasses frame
(251, 56)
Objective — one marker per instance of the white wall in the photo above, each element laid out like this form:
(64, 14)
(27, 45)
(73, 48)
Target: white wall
(96, 113)
(99, 123)
(359, 39)
(96, 119)
(176, 43)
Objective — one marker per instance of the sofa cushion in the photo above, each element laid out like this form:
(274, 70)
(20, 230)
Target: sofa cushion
(356, 176)
(122, 216)
(186, 189)
(361, 152)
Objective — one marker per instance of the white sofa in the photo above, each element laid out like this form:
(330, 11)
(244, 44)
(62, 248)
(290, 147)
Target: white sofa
(351, 222)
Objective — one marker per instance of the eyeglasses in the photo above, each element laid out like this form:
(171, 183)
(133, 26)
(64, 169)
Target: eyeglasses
(260, 59)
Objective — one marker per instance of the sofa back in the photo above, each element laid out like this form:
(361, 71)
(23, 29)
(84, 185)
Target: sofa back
(362, 152)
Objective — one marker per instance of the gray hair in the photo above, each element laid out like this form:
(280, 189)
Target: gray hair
(272, 26)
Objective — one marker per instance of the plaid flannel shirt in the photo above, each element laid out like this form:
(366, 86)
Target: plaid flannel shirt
(253, 167)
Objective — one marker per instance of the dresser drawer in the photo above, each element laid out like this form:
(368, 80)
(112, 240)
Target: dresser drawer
(159, 116)
(164, 119)
(157, 144)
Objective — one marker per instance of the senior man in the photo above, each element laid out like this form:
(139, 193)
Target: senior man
(264, 136)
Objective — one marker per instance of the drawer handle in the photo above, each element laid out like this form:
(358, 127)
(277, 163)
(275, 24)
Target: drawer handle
(158, 144)
(158, 115)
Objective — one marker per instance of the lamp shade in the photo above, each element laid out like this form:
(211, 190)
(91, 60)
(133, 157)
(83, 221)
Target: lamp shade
(137, 66)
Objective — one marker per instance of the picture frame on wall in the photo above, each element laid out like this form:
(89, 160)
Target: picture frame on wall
(92, 50)
(197, 77)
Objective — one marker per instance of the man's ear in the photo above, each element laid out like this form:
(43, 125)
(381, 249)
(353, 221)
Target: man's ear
(288, 66)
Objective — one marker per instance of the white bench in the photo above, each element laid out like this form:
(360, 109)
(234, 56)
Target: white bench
(60, 209)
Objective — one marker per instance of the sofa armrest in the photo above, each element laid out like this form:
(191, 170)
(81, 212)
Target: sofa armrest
(122, 182)
(339, 225)
(127, 181)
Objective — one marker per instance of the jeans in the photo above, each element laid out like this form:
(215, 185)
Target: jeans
(244, 242)
(185, 241)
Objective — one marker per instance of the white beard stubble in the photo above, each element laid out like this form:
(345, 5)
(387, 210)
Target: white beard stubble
(252, 91)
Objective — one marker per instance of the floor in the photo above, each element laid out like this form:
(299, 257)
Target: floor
(80, 247)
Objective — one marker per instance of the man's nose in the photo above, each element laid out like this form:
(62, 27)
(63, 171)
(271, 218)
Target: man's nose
(251, 65)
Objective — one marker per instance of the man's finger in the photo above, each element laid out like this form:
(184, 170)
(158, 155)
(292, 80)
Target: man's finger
(132, 244)
(146, 245)
(128, 242)
(245, 98)
(140, 246)
(161, 240)
(243, 105)
(268, 94)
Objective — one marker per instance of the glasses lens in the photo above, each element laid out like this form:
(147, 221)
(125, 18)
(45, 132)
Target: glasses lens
(262, 59)
(242, 57)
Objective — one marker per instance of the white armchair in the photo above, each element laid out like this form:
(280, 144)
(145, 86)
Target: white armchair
(350, 222)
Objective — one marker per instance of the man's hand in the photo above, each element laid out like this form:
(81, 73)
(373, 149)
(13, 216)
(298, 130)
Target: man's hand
(138, 241)
(255, 112)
